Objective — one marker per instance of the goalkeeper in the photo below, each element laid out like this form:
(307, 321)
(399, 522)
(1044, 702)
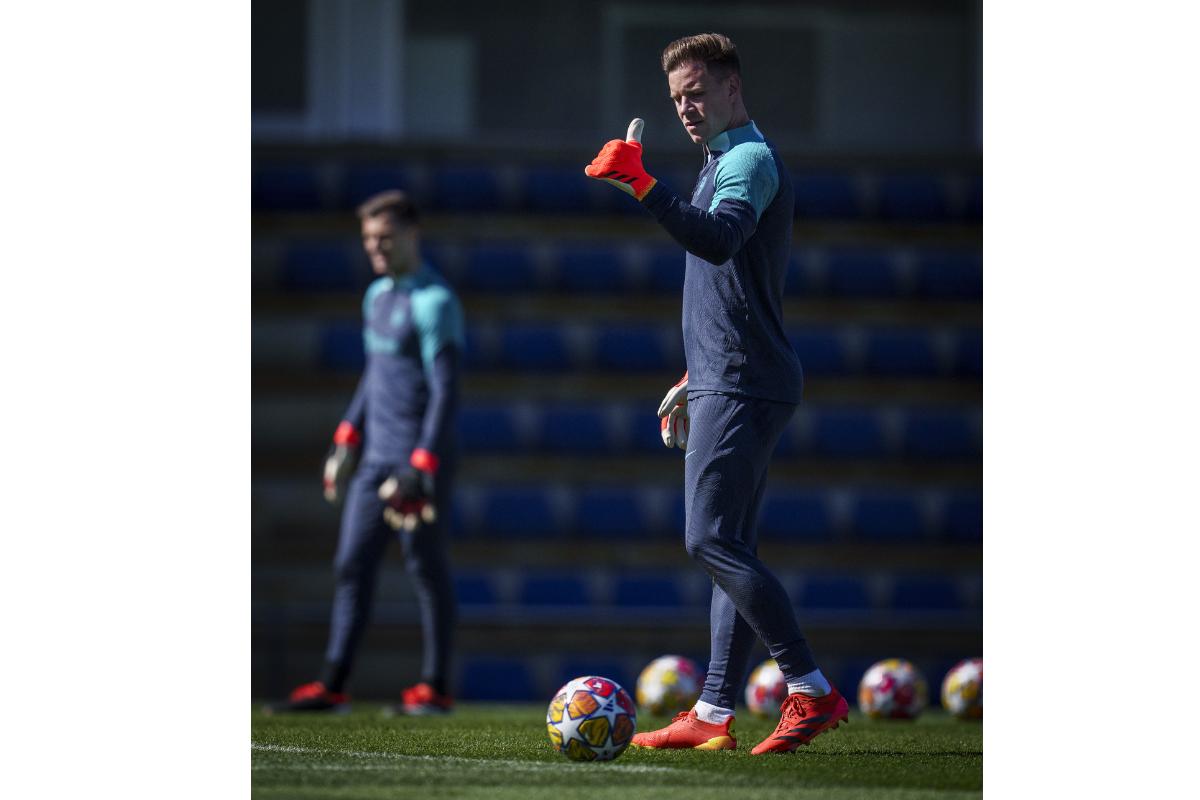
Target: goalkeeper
(402, 420)
(741, 387)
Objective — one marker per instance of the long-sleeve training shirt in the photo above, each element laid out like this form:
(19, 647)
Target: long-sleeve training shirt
(408, 394)
(737, 231)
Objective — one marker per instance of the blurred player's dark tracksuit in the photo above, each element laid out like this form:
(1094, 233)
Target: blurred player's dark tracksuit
(744, 382)
(406, 399)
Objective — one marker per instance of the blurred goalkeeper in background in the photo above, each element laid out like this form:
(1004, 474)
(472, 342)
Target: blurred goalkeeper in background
(741, 387)
(400, 426)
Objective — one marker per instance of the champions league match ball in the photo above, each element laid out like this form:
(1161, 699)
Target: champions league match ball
(892, 689)
(591, 719)
(668, 685)
(962, 689)
(766, 690)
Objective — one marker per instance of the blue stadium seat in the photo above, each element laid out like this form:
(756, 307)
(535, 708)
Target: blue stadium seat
(610, 512)
(834, 592)
(849, 433)
(800, 515)
(473, 589)
(951, 274)
(913, 197)
(974, 209)
(534, 347)
(968, 352)
(862, 273)
(595, 268)
(940, 434)
(825, 195)
(488, 428)
(499, 268)
(553, 590)
(466, 188)
(932, 592)
(496, 679)
(964, 517)
(574, 429)
(821, 351)
(557, 190)
(666, 269)
(635, 591)
(900, 351)
(474, 353)
(631, 348)
(887, 516)
(364, 180)
(320, 265)
(284, 187)
(342, 347)
(518, 511)
(799, 282)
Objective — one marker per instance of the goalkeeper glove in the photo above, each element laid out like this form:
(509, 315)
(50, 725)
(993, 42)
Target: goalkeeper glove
(674, 413)
(620, 163)
(340, 462)
(409, 493)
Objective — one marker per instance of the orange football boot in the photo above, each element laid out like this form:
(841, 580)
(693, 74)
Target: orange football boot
(311, 697)
(687, 730)
(803, 718)
(420, 700)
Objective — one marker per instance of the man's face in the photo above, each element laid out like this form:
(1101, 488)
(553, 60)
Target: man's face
(387, 244)
(703, 103)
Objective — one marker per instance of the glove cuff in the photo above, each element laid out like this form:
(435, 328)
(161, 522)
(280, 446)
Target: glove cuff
(424, 460)
(347, 434)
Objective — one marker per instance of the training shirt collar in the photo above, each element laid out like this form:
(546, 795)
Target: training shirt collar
(734, 136)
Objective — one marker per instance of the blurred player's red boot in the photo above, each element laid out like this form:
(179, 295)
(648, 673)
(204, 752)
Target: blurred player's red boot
(687, 730)
(311, 697)
(802, 718)
(420, 699)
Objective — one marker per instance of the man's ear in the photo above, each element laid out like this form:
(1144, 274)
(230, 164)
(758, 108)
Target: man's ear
(735, 84)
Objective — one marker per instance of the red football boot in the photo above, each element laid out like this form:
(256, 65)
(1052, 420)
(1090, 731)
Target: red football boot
(311, 697)
(687, 730)
(419, 700)
(802, 718)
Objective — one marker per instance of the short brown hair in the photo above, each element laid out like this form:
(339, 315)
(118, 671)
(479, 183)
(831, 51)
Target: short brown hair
(715, 50)
(394, 202)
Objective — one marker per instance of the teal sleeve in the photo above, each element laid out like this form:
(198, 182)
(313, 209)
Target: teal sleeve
(438, 318)
(747, 173)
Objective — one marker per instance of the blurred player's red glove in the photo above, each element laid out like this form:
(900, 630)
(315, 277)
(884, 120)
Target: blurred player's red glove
(340, 463)
(620, 163)
(409, 494)
(674, 413)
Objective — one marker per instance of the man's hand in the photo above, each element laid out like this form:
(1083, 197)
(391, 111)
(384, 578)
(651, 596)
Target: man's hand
(620, 163)
(340, 463)
(409, 493)
(674, 413)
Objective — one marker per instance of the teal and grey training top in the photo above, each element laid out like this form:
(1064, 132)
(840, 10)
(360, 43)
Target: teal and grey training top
(408, 394)
(737, 231)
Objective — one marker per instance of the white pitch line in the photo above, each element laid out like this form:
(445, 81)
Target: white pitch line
(505, 763)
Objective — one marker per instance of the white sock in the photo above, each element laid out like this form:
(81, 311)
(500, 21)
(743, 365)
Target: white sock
(813, 684)
(714, 714)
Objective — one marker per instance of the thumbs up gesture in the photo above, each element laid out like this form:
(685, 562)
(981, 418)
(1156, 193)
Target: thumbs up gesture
(620, 163)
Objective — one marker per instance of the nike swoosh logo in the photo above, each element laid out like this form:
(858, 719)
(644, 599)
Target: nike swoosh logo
(688, 455)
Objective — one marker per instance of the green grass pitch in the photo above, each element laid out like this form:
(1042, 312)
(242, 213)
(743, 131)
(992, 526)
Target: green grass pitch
(501, 751)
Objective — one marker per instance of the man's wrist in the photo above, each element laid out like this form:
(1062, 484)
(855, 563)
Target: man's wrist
(424, 460)
(347, 434)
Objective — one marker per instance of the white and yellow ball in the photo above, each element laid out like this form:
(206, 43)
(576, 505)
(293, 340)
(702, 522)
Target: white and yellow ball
(962, 689)
(591, 719)
(668, 685)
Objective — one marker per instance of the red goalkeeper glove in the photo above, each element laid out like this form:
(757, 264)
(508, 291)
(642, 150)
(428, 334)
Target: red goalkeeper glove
(674, 413)
(340, 463)
(620, 163)
(409, 493)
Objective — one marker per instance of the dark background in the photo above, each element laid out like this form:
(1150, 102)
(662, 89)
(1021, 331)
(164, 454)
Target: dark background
(567, 530)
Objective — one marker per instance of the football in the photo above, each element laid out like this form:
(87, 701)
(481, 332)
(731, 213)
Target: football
(766, 689)
(962, 689)
(892, 689)
(668, 685)
(591, 719)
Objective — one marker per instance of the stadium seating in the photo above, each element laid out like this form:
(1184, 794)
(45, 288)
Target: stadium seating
(459, 188)
(520, 511)
(558, 190)
(825, 195)
(319, 266)
(647, 591)
(862, 273)
(887, 516)
(913, 197)
(557, 590)
(833, 592)
(925, 592)
(610, 513)
(279, 186)
(799, 515)
(503, 679)
(849, 433)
